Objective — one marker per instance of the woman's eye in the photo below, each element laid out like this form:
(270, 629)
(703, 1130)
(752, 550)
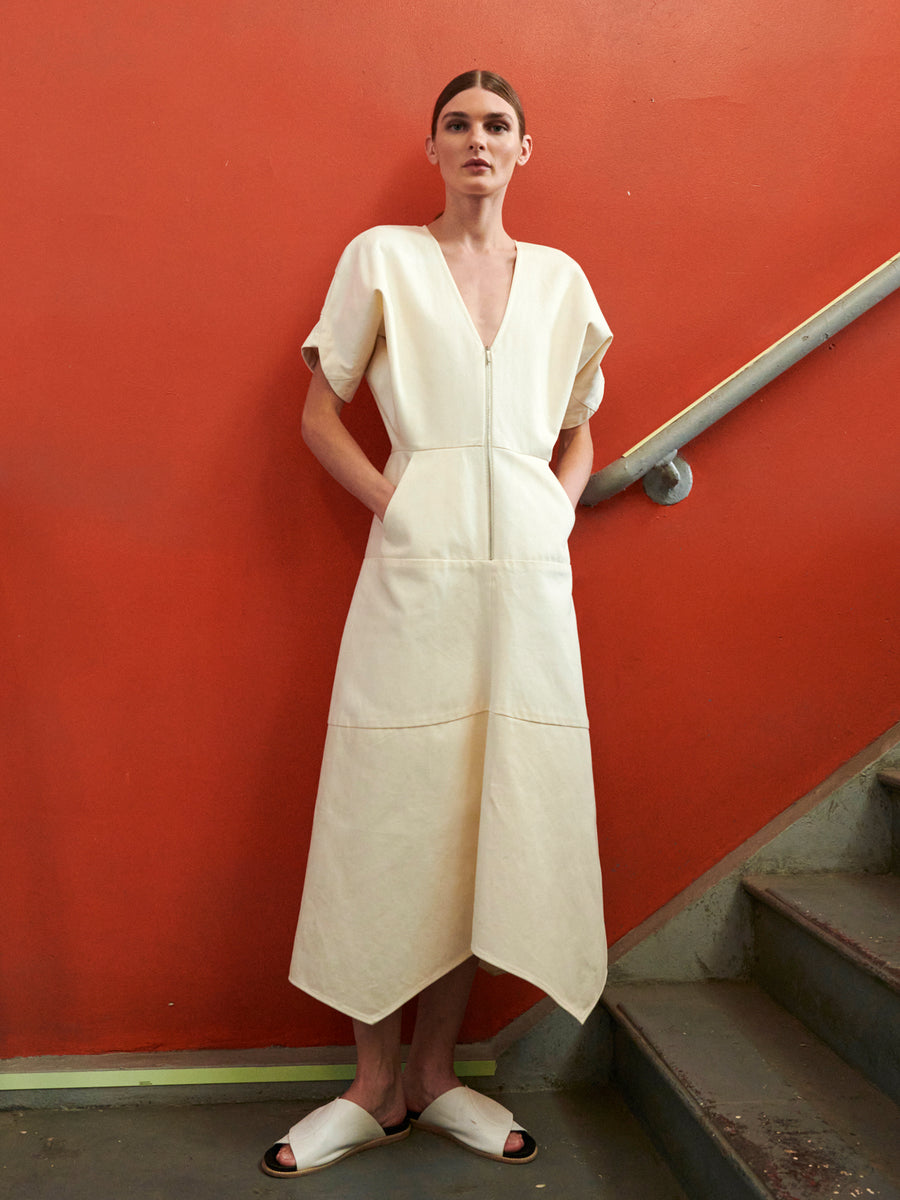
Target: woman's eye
(498, 128)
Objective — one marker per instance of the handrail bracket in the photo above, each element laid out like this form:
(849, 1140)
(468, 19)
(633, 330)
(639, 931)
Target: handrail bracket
(670, 480)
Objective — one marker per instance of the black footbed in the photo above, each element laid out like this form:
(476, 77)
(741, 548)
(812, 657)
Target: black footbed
(390, 1130)
(529, 1145)
(270, 1158)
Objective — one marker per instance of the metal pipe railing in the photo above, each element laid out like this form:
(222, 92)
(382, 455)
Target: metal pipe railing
(667, 477)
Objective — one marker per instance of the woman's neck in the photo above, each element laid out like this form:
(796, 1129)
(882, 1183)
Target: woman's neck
(475, 222)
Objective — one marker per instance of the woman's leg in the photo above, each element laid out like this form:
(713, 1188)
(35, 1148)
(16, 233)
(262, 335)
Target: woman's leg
(441, 1008)
(429, 1069)
(378, 1084)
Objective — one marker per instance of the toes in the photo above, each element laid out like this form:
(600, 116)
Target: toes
(285, 1157)
(514, 1142)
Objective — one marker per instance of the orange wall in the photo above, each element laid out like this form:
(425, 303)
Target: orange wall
(176, 567)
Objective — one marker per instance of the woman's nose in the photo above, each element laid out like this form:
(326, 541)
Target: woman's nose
(476, 138)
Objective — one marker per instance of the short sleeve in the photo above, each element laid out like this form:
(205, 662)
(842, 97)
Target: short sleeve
(351, 320)
(587, 390)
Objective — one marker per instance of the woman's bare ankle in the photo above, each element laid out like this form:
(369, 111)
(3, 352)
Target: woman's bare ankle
(384, 1100)
(422, 1088)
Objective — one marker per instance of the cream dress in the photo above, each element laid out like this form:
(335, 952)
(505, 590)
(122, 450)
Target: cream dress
(455, 812)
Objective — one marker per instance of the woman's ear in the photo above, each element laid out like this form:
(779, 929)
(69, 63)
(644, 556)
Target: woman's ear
(430, 150)
(525, 152)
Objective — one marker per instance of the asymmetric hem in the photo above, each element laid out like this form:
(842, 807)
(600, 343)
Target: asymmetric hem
(365, 1015)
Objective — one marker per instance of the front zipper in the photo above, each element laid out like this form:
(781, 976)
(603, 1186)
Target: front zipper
(488, 444)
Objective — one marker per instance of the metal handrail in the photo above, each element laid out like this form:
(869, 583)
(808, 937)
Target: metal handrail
(667, 477)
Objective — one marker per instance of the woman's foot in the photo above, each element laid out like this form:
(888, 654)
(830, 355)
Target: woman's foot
(421, 1093)
(386, 1105)
(327, 1135)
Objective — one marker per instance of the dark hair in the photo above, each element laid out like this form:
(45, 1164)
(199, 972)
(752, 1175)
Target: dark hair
(483, 79)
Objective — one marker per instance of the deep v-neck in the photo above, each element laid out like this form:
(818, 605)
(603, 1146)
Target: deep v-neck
(455, 287)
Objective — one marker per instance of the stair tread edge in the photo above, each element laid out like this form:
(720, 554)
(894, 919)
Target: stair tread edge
(813, 1091)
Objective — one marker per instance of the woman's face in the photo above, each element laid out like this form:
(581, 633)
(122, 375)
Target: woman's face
(477, 144)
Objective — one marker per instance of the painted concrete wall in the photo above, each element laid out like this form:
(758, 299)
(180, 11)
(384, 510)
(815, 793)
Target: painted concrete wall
(176, 567)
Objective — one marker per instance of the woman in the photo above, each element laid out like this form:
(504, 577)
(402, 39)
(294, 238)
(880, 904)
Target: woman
(455, 820)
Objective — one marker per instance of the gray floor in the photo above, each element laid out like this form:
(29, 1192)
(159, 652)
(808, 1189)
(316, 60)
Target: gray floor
(589, 1147)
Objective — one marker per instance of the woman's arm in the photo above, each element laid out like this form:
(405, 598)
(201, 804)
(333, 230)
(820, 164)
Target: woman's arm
(336, 448)
(575, 460)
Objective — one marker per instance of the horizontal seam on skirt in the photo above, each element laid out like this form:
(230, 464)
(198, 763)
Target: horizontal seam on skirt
(479, 445)
(432, 449)
(491, 562)
(522, 453)
(491, 712)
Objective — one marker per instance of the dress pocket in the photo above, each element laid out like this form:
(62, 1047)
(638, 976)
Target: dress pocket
(533, 515)
(567, 507)
(396, 502)
(439, 508)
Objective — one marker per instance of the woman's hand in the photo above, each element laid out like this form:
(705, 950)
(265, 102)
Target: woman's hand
(336, 448)
(575, 460)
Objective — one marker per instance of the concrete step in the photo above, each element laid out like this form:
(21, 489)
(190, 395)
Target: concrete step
(744, 1102)
(827, 947)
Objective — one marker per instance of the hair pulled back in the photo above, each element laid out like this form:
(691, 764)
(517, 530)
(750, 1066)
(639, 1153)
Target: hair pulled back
(483, 79)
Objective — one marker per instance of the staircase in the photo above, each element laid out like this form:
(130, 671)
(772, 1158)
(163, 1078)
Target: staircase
(784, 1085)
